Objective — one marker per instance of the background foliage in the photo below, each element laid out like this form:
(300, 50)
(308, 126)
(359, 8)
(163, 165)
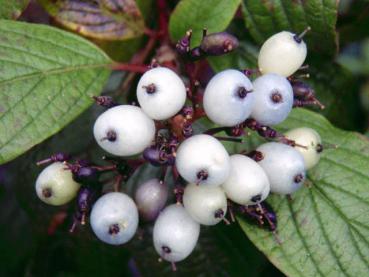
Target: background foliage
(47, 78)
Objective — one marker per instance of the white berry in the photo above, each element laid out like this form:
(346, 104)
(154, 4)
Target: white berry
(207, 205)
(282, 54)
(247, 183)
(161, 93)
(273, 99)
(311, 140)
(114, 218)
(150, 198)
(124, 130)
(55, 185)
(202, 159)
(228, 98)
(175, 233)
(284, 166)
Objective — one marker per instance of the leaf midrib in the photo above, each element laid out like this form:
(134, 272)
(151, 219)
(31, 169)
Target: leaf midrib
(55, 71)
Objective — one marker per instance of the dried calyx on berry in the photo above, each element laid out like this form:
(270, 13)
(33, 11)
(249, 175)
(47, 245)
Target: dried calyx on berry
(105, 101)
(214, 44)
(304, 95)
(262, 214)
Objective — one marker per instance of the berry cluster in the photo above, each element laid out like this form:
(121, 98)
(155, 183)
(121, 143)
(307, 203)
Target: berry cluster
(208, 182)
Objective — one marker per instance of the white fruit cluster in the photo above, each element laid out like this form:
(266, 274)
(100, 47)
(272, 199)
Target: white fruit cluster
(127, 130)
(213, 176)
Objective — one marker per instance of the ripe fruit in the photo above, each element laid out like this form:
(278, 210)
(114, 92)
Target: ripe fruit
(284, 166)
(124, 130)
(247, 183)
(175, 233)
(309, 138)
(150, 198)
(206, 205)
(55, 185)
(202, 159)
(114, 218)
(228, 98)
(161, 93)
(273, 99)
(283, 53)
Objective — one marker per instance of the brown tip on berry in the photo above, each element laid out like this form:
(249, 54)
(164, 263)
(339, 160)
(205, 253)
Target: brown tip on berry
(276, 97)
(298, 178)
(114, 229)
(256, 198)
(110, 136)
(319, 148)
(47, 192)
(219, 213)
(202, 175)
(166, 249)
(242, 92)
(150, 89)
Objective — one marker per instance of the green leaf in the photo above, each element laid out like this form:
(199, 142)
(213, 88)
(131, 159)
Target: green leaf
(109, 20)
(265, 18)
(335, 87)
(47, 78)
(324, 230)
(215, 15)
(12, 9)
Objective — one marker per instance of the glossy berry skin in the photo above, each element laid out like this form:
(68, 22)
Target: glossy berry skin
(114, 218)
(124, 130)
(309, 138)
(203, 160)
(55, 185)
(86, 175)
(161, 93)
(175, 233)
(151, 197)
(207, 205)
(273, 99)
(282, 54)
(228, 98)
(247, 183)
(284, 166)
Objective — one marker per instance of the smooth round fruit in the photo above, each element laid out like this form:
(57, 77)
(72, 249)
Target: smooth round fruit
(124, 130)
(247, 183)
(282, 54)
(207, 205)
(150, 198)
(309, 138)
(55, 185)
(273, 99)
(228, 98)
(161, 93)
(175, 233)
(114, 218)
(202, 159)
(284, 166)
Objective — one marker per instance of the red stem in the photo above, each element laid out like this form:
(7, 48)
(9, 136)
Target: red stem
(137, 68)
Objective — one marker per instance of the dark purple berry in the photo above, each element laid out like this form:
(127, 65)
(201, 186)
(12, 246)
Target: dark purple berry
(218, 43)
(152, 155)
